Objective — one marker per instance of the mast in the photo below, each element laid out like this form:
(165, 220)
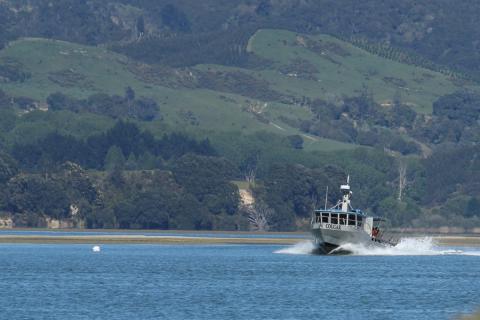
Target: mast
(326, 198)
(347, 195)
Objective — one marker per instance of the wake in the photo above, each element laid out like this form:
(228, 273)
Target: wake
(406, 247)
(304, 247)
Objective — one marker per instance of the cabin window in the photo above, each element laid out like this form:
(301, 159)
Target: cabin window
(343, 218)
(317, 217)
(325, 217)
(334, 218)
(351, 219)
(359, 220)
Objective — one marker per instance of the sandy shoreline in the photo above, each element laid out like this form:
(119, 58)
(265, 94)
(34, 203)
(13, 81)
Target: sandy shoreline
(179, 240)
(458, 241)
(140, 239)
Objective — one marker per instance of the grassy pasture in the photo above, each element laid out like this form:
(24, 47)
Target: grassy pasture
(80, 71)
(302, 66)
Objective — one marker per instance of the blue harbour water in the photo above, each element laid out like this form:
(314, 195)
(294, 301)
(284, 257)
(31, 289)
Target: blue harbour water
(233, 282)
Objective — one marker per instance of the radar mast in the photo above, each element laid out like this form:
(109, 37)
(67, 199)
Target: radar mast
(347, 195)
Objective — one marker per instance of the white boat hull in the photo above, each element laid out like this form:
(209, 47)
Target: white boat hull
(328, 238)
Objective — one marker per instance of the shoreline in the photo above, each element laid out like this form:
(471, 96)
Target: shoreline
(140, 239)
(473, 241)
(151, 231)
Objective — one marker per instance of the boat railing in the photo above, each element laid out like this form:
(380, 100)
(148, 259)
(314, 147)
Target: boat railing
(346, 223)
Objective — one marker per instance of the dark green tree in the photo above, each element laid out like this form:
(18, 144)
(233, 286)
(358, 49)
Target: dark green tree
(114, 159)
(208, 178)
(295, 141)
(174, 18)
(8, 168)
(473, 207)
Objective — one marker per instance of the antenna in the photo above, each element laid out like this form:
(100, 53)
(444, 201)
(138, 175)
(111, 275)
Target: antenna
(348, 179)
(326, 198)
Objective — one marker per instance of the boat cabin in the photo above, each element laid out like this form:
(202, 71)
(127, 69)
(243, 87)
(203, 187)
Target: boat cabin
(339, 218)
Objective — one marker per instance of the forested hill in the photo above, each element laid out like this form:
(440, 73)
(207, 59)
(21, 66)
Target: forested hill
(177, 114)
(443, 32)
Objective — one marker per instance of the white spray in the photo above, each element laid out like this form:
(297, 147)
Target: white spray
(304, 247)
(406, 247)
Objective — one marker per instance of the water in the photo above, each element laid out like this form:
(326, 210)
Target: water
(236, 282)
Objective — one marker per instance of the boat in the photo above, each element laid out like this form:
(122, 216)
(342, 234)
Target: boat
(341, 224)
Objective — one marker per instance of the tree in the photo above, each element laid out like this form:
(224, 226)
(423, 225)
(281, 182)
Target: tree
(58, 101)
(145, 109)
(397, 98)
(463, 106)
(116, 178)
(295, 141)
(147, 161)
(101, 217)
(5, 100)
(402, 179)
(174, 18)
(293, 187)
(8, 168)
(249, 167)
(114, 159)
(129, 94)
(8, 119)
(131, 163)
(33, 193)
(76, 182)
(398, 213)
(473, 207)
(128, 137)
(264, 8)
(259, 216)
(208, 179)
(140, 27)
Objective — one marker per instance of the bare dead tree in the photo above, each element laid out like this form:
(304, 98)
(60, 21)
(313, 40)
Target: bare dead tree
(259, 215)
(249, 166)
(250, 176)
(402, 179)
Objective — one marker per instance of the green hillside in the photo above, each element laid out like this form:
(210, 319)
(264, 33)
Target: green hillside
(337, 68)
(80, 71)
(169, 121)
(295, 67)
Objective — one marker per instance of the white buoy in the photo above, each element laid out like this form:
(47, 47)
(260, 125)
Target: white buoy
(96, 249)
